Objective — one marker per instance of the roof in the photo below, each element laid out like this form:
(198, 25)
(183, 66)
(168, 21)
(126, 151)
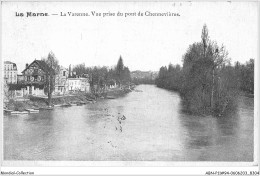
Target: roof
(14, 65)
(41, 64)
(8, 62)
(64, 68)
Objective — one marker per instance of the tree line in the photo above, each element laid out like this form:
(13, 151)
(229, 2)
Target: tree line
(105, 76)
(145, 80)
(143, 77)
(207, 82)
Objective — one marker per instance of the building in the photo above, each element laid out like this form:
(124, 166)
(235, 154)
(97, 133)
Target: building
(61, 84)
(34, 78)
(10, 72)
(79, 84)
(20, 78)
(112, 84)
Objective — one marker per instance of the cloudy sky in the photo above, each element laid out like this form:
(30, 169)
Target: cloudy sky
(144, 42)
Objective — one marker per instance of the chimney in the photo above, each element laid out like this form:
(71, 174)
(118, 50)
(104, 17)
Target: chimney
(26, 65)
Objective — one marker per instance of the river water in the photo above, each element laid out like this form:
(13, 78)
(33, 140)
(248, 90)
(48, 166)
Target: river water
(155, 129)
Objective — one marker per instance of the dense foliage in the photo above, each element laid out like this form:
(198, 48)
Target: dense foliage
(245, 76)
(207, 82)
(143, 77)
(104, 76)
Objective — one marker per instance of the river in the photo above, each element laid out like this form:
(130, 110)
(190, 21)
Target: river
(155, 129)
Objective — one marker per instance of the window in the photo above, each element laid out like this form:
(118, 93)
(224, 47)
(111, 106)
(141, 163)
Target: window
(64, 73)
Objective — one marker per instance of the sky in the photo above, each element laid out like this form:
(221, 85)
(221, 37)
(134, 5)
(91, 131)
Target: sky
(144, 42)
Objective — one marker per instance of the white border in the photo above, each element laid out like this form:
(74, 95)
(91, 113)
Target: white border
(135, 167)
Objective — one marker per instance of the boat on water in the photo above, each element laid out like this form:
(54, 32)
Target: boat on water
(32, 110)
(19, 112)
(110, 97)
(47, 108)
(58, 105)
(66, 105)
(7, 111)
(11, 112)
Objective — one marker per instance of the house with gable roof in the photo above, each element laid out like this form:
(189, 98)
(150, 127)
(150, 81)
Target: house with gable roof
(34, 78)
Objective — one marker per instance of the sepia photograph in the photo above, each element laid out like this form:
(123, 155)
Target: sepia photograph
(157, 82)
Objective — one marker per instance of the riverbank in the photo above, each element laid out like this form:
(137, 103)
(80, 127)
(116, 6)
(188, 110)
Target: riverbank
(35, 102)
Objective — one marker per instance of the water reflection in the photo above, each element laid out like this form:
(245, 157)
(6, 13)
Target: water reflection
(155, 128)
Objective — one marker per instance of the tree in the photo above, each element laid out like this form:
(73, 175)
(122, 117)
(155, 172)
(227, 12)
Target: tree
(170, 78)
(250, 75)
(80, 69)
(126, 75)
(205, 38)
(119, 70)
(215, 54)
(219, 58)
(245, 76)
(202, 64)
(52, 69)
